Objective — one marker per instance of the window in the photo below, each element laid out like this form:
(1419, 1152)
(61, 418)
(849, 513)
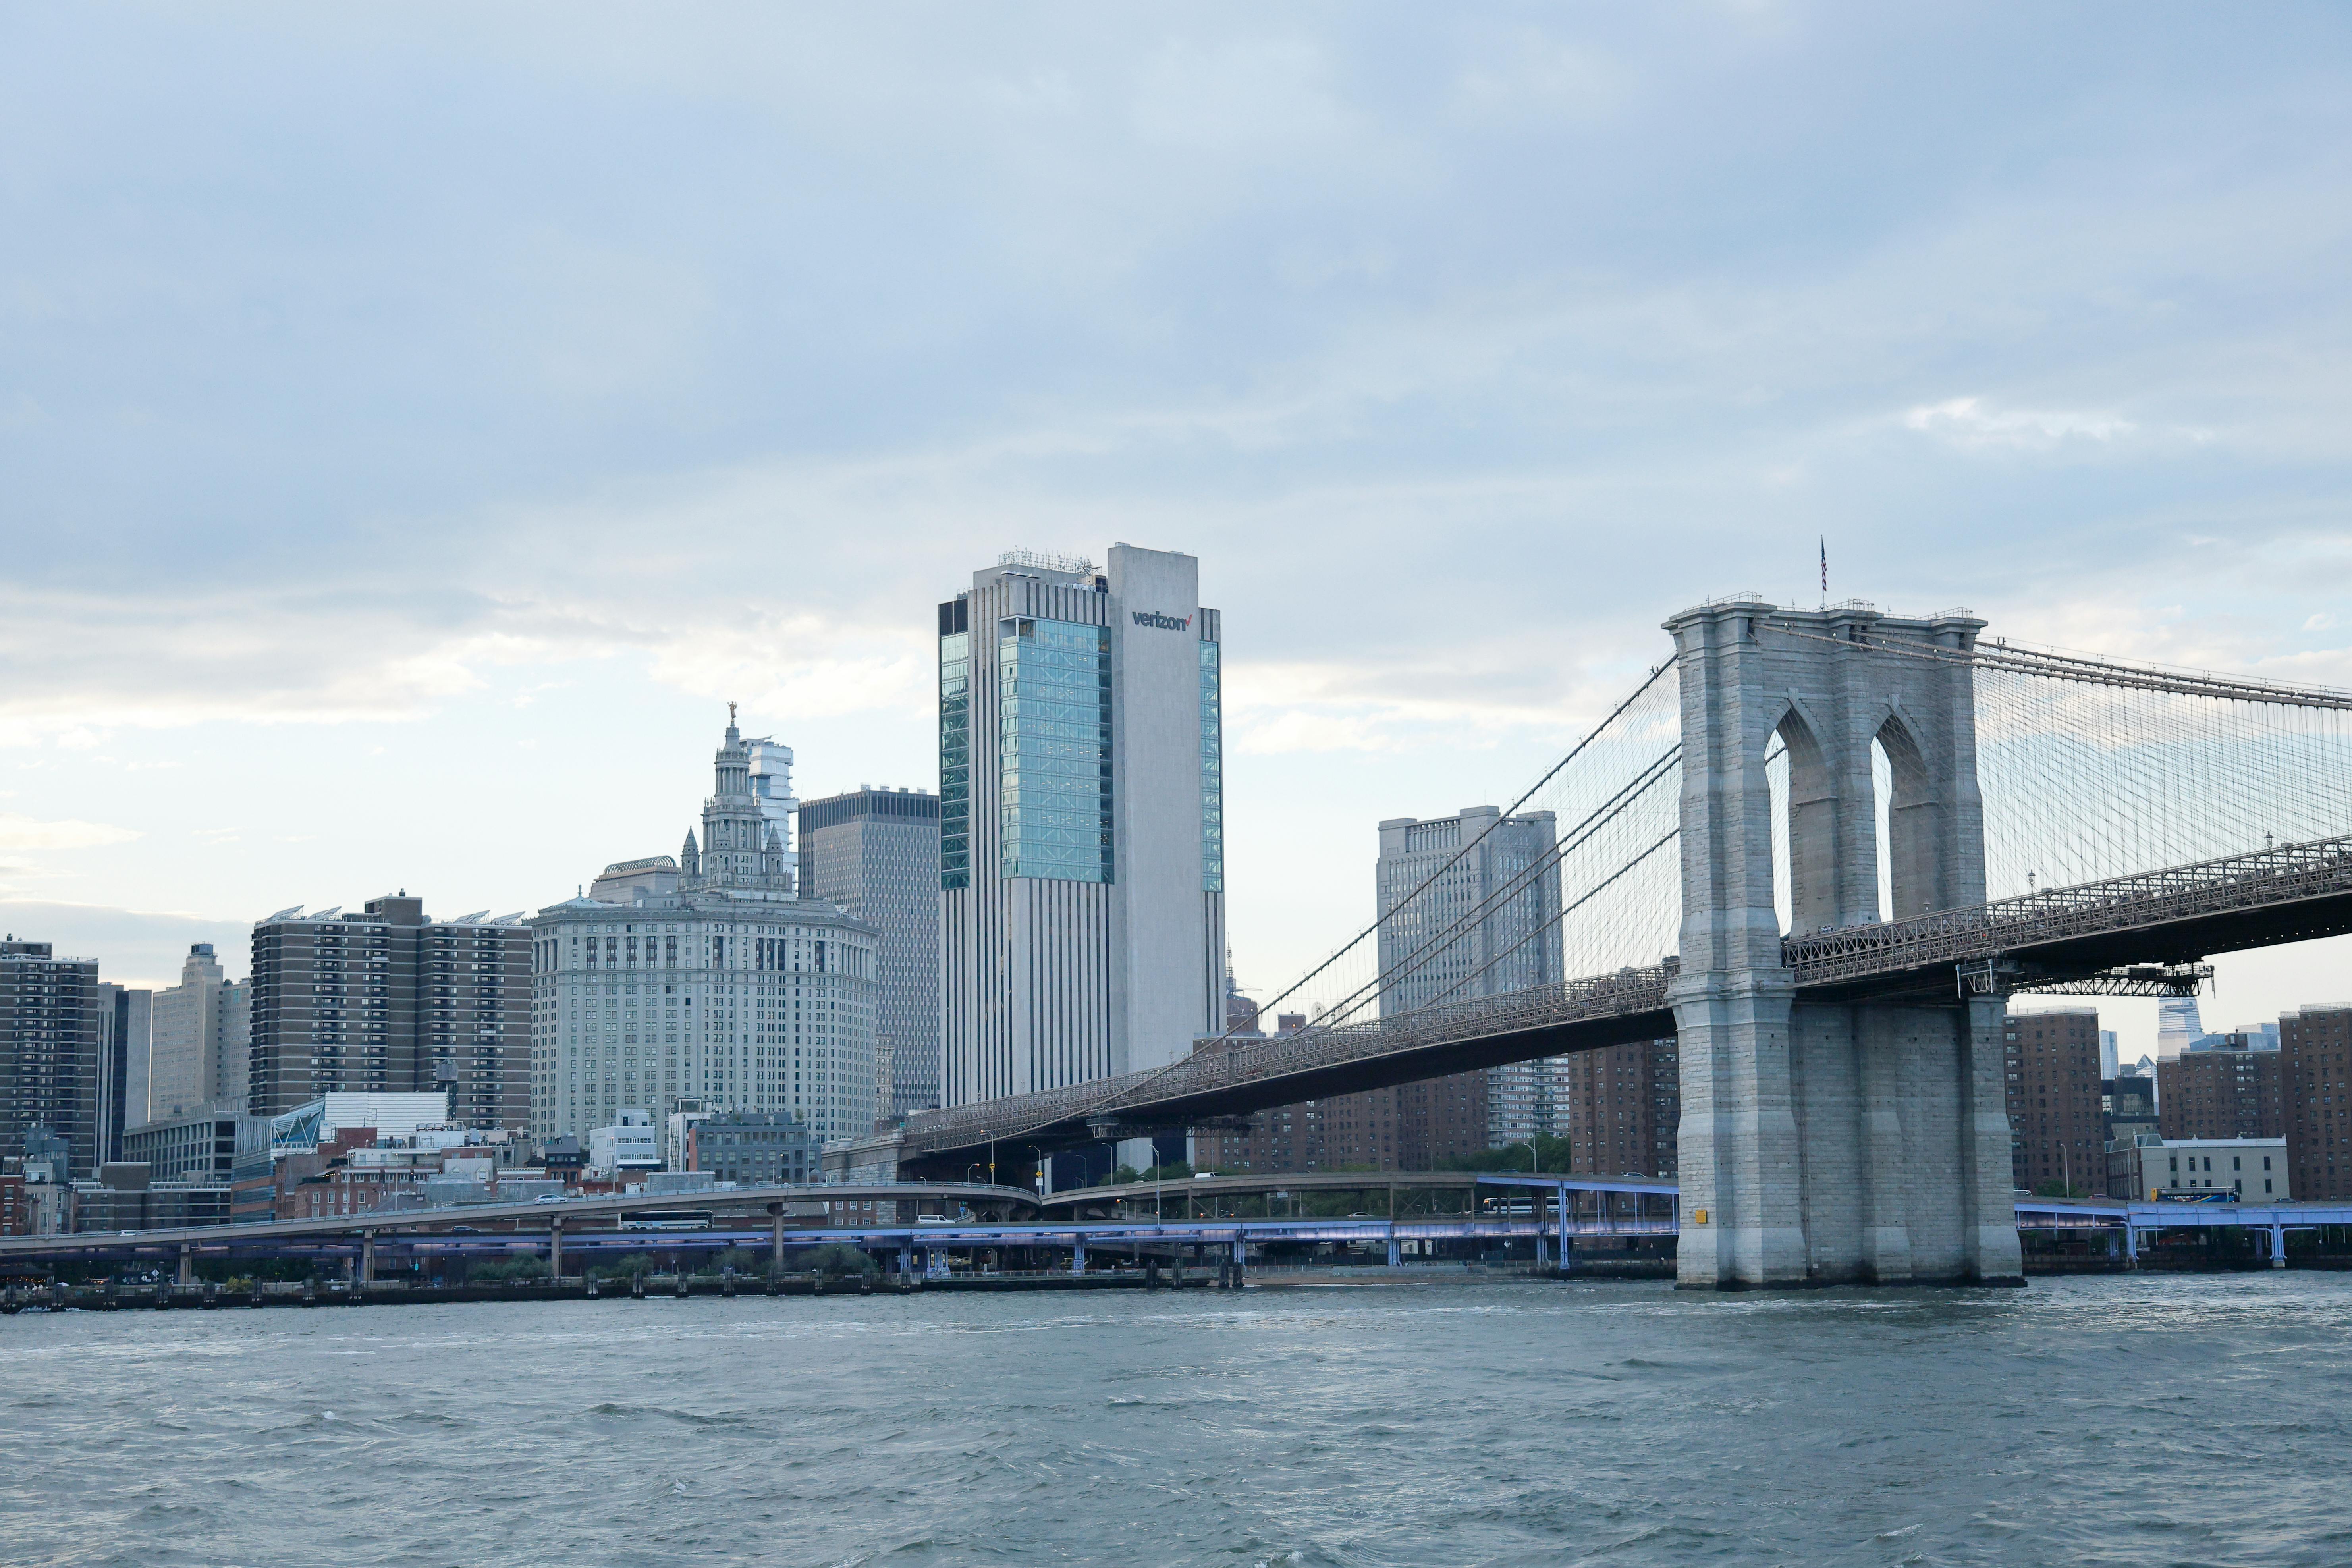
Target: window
(1213, 786)
(955, 748)
(1054, 757)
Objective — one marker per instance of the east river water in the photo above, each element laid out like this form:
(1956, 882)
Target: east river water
(2146, 1421)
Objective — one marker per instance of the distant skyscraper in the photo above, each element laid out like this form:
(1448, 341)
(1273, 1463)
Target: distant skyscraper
(51, 1078)
(1082, 821)
(2177, 1027)
(1471, 908)
(123, 1018)
(771, 785)
(876, 853)
(391, 1001)
(199, 1039)
(714, 987)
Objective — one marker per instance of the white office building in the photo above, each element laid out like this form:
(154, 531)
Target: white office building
(628, 1145)
(1081, 822)
(715, 988)
(199, 1042)
(1471, 908)
(2254, 1169)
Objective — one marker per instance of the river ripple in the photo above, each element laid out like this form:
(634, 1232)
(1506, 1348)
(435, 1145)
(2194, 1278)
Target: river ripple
(2140, 1420)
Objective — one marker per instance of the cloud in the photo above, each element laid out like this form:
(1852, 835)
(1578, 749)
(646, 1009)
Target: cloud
(1967, 422)
(25, 833)
(1461, 346)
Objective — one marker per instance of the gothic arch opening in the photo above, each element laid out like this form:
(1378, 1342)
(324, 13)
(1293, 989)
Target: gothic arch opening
(1882, 796)
(1805, 831)
(1911, 826)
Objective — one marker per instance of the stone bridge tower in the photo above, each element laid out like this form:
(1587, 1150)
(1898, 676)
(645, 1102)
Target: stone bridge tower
(1830, 1143)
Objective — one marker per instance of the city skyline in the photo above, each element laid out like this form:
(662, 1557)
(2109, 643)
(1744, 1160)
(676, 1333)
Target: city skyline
(2092, 397)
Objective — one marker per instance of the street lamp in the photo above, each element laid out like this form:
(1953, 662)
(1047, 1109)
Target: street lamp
(1037, 1172)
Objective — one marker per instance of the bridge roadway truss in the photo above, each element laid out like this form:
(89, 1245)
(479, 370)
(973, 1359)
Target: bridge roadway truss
(2134, 935)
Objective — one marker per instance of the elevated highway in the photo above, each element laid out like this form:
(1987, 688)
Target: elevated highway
(580, 1218)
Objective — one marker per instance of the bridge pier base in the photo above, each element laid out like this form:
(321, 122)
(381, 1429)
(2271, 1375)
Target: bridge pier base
(187, 1274)
(367, 1257)
(1844, 1145)
(554, 1247)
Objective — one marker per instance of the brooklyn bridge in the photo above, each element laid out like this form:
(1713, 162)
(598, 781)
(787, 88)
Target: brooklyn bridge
(1822, 847)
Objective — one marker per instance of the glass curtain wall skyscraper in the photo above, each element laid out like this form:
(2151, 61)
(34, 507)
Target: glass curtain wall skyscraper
(1081, 821)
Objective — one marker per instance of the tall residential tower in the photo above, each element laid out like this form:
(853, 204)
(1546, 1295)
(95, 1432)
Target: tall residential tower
(1081, 822)
(390, 1000)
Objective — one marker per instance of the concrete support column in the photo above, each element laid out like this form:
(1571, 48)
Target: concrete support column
(906, 1260)
(2278, 1246)
(1886, 1161)
(554, 1247)
(367, 1257)
(1988, 1178)
(1396, 1257)
(1742, 1225)
(777, 1257)
(1079, 1252)
(187, 1274)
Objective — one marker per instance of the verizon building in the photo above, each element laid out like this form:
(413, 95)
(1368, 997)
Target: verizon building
(1081, 822)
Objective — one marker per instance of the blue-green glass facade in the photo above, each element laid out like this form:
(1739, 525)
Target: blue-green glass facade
(1055, 749)
(1212, 772)
(955, 760)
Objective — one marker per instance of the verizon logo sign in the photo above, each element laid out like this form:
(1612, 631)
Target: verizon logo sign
(1165, 623)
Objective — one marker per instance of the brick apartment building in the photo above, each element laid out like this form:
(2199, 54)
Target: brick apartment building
(2314, 1069)
(2222, 1088)
(1621, 1109)
(2056, 1127)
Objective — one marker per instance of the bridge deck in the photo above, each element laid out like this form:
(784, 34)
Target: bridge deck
(2054, 937)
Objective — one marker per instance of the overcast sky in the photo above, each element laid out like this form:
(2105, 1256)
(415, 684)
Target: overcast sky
(416, 423)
